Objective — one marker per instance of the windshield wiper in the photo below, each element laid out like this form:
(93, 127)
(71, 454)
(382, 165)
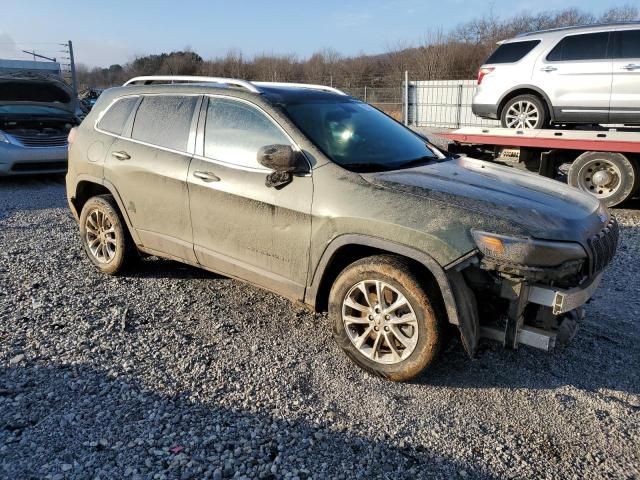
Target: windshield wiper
(365, 167)
(416, 161)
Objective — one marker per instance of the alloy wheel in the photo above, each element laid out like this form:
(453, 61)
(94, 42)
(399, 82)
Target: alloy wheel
(380, 321)
(522, 114)
(100, 236)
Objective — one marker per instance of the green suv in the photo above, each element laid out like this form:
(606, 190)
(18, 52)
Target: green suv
(307, 192)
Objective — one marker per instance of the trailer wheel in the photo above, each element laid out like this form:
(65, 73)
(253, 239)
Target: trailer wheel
(611, 177)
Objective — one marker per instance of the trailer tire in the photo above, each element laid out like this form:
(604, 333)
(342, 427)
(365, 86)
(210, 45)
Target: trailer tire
(610, 177)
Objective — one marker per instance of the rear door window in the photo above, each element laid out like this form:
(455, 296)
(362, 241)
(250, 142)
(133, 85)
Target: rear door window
(512, 52)
(628, 44)
(115, 118)
(589, 46)
(235, 131)
(165, 120)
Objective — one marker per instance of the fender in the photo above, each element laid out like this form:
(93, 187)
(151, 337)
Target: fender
(544, 96)
(113, 191)
(451, 283)
(424, 259)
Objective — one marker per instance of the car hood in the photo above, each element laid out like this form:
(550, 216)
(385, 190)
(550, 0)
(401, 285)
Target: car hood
(540, 207)
(33, 89)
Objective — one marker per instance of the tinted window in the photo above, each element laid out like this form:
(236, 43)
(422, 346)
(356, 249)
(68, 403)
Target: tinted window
(628, 44)
(591, 46)
(113, 121)
(165, 121)
(512, 52)
(358, 136)
(234, 132)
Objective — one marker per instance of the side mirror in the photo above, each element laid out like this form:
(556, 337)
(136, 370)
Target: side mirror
(281, 158)
(284, 161)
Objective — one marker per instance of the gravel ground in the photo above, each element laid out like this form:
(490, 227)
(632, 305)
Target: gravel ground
(173, 372)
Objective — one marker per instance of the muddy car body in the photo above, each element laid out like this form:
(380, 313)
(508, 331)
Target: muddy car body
(36, 114)
(395, 250)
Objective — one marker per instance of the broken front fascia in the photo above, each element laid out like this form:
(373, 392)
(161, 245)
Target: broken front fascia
(524, 271)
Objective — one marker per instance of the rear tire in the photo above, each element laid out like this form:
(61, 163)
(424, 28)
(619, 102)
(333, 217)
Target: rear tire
(395, 338)
(524, 112)
(104, 235)
(610, 177)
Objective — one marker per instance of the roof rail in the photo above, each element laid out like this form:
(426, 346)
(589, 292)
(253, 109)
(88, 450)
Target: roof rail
(189, 78)
(578, 27)
(299, 85)
(251, 86)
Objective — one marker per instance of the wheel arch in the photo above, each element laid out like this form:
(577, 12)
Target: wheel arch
(346, 249)
(526, 90)
(87, 187)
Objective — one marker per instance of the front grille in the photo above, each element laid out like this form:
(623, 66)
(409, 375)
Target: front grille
(41, 140)
(58, 165)
(603, 246)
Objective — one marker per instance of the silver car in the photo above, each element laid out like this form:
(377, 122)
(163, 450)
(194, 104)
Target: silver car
(36, 114)
(577, 75)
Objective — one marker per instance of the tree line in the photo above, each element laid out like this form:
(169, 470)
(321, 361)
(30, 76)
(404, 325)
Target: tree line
(455, 54)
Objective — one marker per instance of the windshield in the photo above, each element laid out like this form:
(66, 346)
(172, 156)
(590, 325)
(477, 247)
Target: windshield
(359, 137)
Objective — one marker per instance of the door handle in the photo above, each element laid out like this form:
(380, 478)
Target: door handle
(206, 176)
(121, 155)
(548, 69)
(632, 66)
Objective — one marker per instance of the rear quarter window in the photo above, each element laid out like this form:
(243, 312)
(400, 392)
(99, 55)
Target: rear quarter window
(165, 120)
(116, 116)
(588, 46)
(512, 52)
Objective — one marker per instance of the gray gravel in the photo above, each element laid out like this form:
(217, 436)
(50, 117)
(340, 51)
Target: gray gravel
(173, 372)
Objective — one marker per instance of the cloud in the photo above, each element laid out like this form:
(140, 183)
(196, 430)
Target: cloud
(8, 47)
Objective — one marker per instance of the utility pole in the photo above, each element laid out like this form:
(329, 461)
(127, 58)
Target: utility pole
(406, 97)
(72, 64)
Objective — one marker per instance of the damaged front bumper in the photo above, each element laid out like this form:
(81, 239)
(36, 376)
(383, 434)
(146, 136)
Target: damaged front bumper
(560, 315)
(517, 310)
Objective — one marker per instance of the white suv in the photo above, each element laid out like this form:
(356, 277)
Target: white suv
(587, 75)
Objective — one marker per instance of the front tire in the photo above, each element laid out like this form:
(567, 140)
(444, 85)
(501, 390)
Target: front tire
(104, 235)
(524, 112)
(384, 319)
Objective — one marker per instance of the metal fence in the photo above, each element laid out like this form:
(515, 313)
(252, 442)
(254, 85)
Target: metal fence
(443, 104)
(432, 103)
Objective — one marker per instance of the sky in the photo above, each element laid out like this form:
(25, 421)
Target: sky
(115, 31)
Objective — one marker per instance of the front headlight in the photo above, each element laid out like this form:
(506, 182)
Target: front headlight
(3, 137)
(526, 251)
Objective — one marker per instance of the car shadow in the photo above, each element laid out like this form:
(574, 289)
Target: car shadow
(62, 414)
(579, 365)
(155, 267)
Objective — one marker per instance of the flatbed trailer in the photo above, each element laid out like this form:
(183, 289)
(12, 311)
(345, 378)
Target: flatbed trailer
(605, 163)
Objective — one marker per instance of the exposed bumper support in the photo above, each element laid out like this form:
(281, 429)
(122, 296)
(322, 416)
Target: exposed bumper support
(565, 304)
(563, 301)
(531, 336)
